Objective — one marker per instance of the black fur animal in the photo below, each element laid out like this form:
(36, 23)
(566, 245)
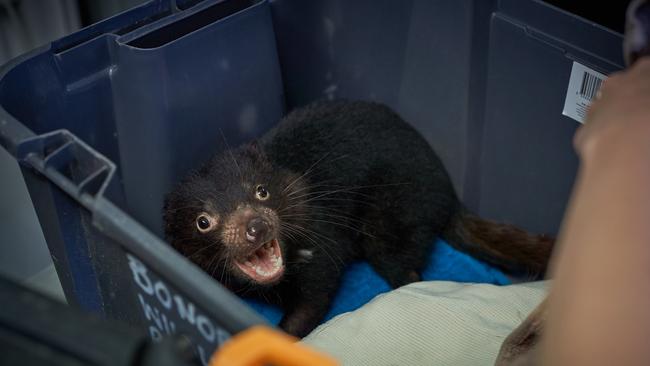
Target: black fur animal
(331, 183)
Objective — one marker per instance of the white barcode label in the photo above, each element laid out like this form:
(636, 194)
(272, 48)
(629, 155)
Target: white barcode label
(583, 86)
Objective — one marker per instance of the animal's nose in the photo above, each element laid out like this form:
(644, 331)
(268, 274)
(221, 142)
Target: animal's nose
(256, 230)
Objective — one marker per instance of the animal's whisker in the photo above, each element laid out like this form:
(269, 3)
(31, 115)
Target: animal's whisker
(314, 206)
(324, 183)
(202, 249)
(305, 233)
(312, 232)
(289, 235)
(230, 152)
(326, 214)
(338, 224)
(311, 169)
(313, 241)
(342, 188)
(336, 199)
(183, 208)
(323, 193)
(341, 199)
(328, 208)
(228, 273)
(306, 172)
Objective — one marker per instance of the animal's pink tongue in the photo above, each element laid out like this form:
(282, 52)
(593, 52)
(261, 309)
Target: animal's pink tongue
(264, 258)
(265, 264)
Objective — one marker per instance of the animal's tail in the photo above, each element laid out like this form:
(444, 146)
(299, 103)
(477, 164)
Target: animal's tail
(504, 246)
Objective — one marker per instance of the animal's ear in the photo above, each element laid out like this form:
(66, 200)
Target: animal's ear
(255, 145)
(254, 148)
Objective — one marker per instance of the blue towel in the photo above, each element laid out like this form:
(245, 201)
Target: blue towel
(361, 283)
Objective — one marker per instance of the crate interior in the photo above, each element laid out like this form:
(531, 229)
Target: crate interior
(484, 81)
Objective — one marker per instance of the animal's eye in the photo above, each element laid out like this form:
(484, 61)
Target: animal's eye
(205, 223)
(261, 193)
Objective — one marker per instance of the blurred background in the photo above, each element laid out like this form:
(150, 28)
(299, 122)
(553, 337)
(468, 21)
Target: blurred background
(26, 24)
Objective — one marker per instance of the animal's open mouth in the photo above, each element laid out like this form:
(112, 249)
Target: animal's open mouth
(264, 265)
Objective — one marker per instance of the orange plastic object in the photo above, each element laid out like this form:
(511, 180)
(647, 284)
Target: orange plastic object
(260, 346)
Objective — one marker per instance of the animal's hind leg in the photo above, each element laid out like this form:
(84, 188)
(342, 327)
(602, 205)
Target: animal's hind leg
(400, 259)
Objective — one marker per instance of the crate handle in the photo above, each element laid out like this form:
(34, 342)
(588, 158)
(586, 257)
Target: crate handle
(70, 163)
(260, 345)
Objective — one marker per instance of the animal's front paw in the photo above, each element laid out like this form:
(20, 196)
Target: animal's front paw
(303, 319)
(295, 326)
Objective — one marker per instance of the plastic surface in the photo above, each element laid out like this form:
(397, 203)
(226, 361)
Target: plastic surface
(484, 81)
(155, 90)
(527, 163)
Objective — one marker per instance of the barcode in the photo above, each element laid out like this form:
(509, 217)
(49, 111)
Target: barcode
(590, 85)
(581, 91)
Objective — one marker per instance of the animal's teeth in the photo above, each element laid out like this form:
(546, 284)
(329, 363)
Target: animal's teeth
(277, 261)
(248, 263)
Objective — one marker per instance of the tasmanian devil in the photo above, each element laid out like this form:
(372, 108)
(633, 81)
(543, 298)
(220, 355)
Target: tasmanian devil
(333, 182)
